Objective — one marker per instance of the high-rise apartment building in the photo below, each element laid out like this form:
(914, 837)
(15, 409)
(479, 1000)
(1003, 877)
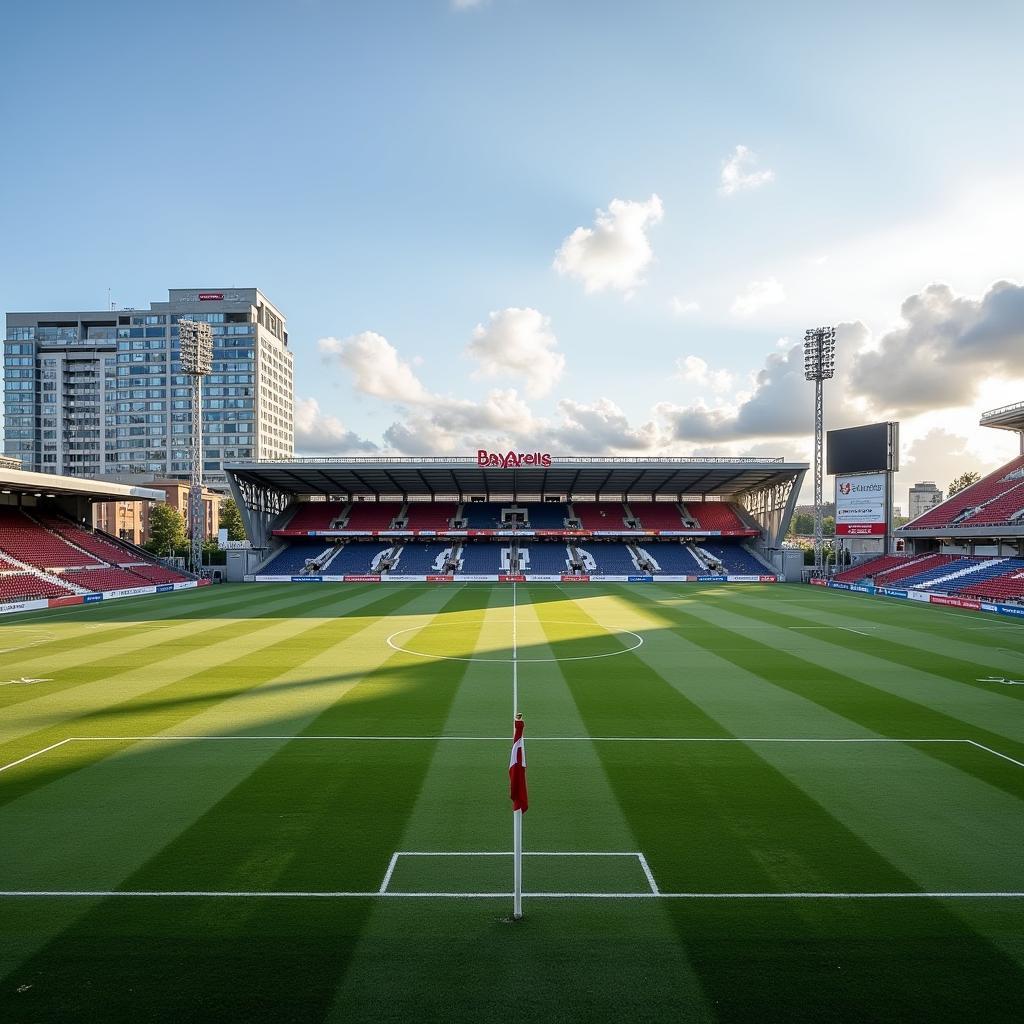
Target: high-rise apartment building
(91, 393)
(924, 496)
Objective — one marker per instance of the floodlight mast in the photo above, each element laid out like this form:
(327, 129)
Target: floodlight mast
(196, 343)
(819, 366)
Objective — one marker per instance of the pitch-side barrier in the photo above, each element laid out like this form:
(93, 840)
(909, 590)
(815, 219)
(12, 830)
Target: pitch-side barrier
(507, 578)
(970, 603)
(107, 595)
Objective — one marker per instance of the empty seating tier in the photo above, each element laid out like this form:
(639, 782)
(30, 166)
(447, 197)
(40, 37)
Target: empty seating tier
(483, 558)
(735, 559)
(26, 586)
(106, 549)
(98, 580)
(157, 573)
(892, 577)
(673, 559)
(544, 558)
(430, 515)
(372, 515)
(600, 515)
(357, 558)
(657, 515)
(315, 515)
(715, 515)
(871, 568)
(608, 559)
(481, 515)
(1005, 479)
(294, 557)
(29, 542)
(423, 559)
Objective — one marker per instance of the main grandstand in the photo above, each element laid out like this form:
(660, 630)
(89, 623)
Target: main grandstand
(49, 556)
(533, 518)
(969, 549)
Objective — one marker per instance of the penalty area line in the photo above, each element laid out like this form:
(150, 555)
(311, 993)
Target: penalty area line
(314, 894)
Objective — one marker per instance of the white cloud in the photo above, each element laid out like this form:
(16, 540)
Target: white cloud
(598, 428)
(683, 306)
(519, 342)
(696, 371)
(467, 5)
(739, 174)
(616, 251)
(757, 296)
(377, 368)
(316, 433)
(945, 348)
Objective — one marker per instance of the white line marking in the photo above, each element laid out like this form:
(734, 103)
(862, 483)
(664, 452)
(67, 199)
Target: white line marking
(504, 739)
(390, 641)
(647, 872)
(556, 739)
(515, 655)
(1005, 757)
(28, 757)
(850, 629)
(387, 875)
(510, 853)
(300, 894)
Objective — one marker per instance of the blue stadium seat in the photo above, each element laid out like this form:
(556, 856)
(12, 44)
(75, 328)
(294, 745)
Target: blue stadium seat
(294, 557)
(422, 559)
(545, 559)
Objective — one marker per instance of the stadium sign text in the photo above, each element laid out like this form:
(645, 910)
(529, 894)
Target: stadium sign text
(511, 460)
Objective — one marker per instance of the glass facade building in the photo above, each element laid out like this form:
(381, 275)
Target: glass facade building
(96, 393)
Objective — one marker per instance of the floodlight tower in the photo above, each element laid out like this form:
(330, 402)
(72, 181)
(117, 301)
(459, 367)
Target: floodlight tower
(196, 342)
(819, 366)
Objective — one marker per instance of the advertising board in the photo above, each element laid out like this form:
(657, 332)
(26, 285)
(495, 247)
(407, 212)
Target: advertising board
(860, 505)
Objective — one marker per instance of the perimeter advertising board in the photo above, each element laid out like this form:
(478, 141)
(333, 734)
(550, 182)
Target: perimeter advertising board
(860, 504)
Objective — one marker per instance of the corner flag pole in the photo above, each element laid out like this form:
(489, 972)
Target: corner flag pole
(517, 776)
(517, 781)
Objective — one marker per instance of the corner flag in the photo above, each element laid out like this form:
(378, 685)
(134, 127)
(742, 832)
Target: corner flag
(517, 769)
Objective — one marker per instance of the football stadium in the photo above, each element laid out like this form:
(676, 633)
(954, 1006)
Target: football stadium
(263, 801)
(511, 512)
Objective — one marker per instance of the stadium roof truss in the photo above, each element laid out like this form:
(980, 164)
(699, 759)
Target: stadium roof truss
(767, 488)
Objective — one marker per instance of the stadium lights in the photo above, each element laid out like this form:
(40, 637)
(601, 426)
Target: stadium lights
(819, 365)
(820, 353)
(196, 342)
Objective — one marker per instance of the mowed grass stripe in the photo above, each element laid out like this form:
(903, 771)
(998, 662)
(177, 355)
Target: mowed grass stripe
(463, 805)
(311, 813)
(110, 647)
(868, 706)
(191, 776)
(106, 681)
(937, 652)
(153, 708)
(918, 614)
(723, 823)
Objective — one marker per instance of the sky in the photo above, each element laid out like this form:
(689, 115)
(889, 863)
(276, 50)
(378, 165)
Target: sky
(579, 226)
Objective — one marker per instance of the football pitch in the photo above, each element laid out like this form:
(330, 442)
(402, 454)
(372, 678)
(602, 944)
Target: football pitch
(290, 803)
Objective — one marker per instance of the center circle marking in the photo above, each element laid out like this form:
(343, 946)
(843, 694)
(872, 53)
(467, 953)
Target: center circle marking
(522, 661)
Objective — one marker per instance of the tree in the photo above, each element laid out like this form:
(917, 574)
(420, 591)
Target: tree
(166, 529)
(962, 481)
(231, 519)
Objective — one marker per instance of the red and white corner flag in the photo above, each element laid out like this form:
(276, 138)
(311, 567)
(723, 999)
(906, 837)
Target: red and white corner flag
(517, 769)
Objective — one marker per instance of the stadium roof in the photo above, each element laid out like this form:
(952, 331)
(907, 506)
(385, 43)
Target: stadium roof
(1008, 417)
(48, 485)
(439, 476)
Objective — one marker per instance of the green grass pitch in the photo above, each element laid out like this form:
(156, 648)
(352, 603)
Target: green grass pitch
(748, 803)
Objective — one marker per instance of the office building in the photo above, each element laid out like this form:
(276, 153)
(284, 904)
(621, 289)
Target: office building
(101, 393)
(923, 496)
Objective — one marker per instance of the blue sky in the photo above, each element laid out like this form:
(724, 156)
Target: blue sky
(393, 173)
